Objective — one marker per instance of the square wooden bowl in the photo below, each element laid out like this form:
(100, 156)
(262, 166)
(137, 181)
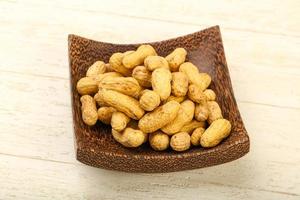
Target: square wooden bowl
(95, 145)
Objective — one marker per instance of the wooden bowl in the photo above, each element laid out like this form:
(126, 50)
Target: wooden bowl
(95, 145)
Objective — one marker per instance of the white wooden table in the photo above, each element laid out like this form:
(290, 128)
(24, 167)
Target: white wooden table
(262, 44)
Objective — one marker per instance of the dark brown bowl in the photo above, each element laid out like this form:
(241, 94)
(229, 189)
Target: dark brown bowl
(95, 145)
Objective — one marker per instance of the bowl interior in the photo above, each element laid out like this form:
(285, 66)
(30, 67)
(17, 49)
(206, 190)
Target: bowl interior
(95, 145)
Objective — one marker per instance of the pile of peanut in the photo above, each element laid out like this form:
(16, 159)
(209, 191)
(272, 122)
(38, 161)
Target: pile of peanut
(146, 97)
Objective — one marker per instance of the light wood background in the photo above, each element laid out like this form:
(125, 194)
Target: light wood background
(262, 44)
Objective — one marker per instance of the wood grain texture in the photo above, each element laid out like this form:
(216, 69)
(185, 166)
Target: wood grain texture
(261, 44)
(37, 179)
(279, 61)
(236, 15)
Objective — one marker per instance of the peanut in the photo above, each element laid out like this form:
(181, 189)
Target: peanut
(142, 75)
(202, 80)
(129, 137)
(176, 58)
(201, 112)
(119, 121)
(134, 124)
(210, 95)
(196, 94)
(159, 141)
(99, 100)
(105, 114)
(125, 85)
(137, 58)
(97, 68)
(108, 68)
(214, 111)
(149, 100)
(171, 98)
(196, 135)
(87, 85)
(101, 77)
(128, 52)
(154, 62)
(122, 103)
(215, 133)
(143, 92)
(191, 71)
(184, 116)
(159, 117)
(89, 110)
(205, 80)
(161, 82)
(115, 62)
(179, 84)
(192, 126)
(180, 141)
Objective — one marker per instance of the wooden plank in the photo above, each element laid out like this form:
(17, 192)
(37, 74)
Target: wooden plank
(42, 129)
(36, 116)
(265, 86)
(29, 30)
(36, 179)
(267, 16)
(251, 68)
